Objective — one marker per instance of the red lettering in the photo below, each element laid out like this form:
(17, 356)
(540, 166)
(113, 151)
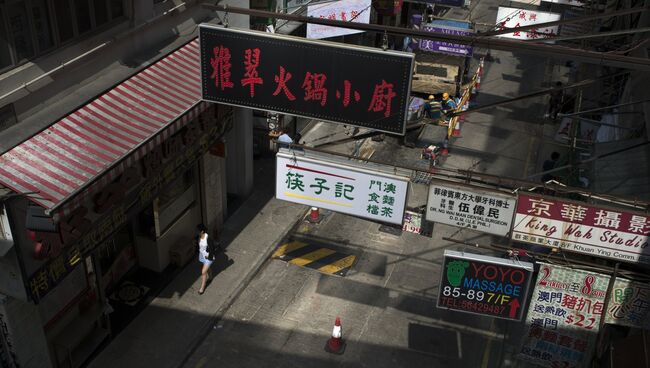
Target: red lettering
(520, 279)
(221, 67)
(314, 86)
(282, 80)
(382, 97)
(252, 77)
(346, 93)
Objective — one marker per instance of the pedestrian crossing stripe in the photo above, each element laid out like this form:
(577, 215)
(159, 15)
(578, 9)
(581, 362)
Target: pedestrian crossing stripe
(323, 259)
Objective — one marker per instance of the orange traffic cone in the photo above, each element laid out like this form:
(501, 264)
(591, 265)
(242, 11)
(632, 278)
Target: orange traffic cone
(456, 131)
(335, 344)
(445, 148)
(314, 215)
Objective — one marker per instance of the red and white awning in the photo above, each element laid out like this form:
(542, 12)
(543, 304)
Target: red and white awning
(87, 149)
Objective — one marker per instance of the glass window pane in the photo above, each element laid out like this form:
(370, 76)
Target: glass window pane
(64, 19)
(82, 10)
(117, 9)
(20, 31)
(5, 55)
(101, 11)
(42, 24)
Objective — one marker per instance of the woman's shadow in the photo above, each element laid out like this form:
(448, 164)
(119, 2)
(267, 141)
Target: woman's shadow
(220, 263)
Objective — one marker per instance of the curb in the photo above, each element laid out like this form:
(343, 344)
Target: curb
(217, 316)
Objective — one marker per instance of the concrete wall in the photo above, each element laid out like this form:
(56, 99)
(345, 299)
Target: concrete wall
(239, 153)
(123, 49)
(25, 333)
(213, 191)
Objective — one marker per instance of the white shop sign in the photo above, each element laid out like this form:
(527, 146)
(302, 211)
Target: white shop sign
(342, 188)
(355, 11)
(580, 227)
(513, 17)
(476, 209)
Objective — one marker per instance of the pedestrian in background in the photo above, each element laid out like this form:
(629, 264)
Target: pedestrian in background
(555, 102)
(284, 140)
(550, 165)
(204, 256)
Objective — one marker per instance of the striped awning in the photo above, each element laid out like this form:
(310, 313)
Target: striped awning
(90, 147)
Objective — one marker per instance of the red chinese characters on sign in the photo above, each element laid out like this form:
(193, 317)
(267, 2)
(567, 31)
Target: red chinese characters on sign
(282, 80)
(221, 67)
(382, 97)
(251, 76)
(347, 86)
(583, 228)
(314, 86)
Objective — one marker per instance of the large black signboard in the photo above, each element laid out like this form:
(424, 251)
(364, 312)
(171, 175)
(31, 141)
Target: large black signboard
(484, 285)
(358, 86)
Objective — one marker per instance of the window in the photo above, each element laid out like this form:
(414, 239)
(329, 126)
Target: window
(29, 28)
(19, 30)
(5, 53)
(64, 19)
(82, 12)
(117, 8)
(41, 17)
(101, 11)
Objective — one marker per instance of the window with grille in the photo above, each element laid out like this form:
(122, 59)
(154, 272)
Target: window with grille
(30, 28)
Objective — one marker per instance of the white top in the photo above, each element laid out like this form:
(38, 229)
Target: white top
(203, 245)
(284, 138)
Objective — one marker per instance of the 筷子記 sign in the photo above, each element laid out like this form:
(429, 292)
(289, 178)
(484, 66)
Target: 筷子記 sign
(347, 189)
(352, 85)
(583, 228)
(484, 285)
(563, 317)
(476, 209)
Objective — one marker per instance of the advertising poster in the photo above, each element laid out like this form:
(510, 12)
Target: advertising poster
(445, 26)
(341, 188)
(629, 304)
(475, 209)
(356, 11)
(484, 285)
(563, 317)
(583, 228)
(513, 17)
(412, 222)
(347, 84)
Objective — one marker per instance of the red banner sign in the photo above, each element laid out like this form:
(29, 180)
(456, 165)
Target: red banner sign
(582, 228)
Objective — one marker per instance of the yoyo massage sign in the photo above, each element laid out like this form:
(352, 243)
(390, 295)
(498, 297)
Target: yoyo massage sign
(484, 285)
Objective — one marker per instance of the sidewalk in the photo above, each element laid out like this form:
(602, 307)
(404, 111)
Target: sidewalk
(169, 329)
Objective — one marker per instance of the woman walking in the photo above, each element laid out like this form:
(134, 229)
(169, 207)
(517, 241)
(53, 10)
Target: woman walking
(204, 256)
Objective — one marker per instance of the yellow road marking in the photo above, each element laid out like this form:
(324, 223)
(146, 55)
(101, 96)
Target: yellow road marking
(288, 194)
(488, 349)
(201, 362)
(311, 257)
(287, 248)
(338, 265)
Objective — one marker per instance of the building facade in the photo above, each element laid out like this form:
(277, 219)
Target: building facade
(108, 161)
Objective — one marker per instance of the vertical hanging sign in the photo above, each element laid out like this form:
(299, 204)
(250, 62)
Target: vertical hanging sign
(563, 317)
